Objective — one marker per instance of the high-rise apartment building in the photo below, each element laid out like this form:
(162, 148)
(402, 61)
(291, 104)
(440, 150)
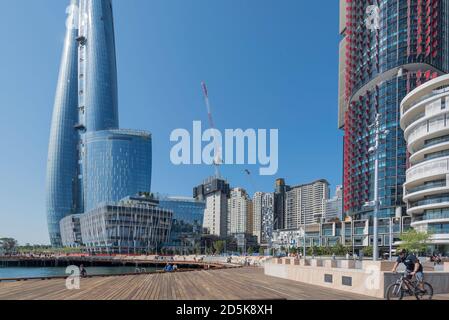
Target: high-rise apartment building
(263, 216)
(305, 204)
(279, 204)
(240, 213)
(425, 121)
(215, 193)
(334, 206)
(388, 48)
(90, 160)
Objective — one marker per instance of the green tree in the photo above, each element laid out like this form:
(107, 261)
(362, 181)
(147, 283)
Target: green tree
(339, 249)
(368, 251)
(219, 246)
(415, 241)
(8, 244)
(250, 251)
(261, 251)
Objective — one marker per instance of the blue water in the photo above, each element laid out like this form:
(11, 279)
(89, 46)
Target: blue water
(22, 272)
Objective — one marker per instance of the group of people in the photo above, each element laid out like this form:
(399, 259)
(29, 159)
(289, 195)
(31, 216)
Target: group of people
(170, 267)
(436, 259)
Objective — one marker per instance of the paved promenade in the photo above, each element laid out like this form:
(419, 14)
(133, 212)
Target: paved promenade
(237, 284)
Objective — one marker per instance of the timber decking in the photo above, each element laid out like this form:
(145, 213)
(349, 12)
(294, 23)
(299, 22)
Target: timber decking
(226, 284)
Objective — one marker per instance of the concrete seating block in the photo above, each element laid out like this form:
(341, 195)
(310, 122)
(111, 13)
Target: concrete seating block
(304, 262)
(348, 264)
(296, 262)
(383, 266)
(317, 263)
(446, 267)
(330, 264)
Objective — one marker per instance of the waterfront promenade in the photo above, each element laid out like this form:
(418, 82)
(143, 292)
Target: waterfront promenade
(228, 284)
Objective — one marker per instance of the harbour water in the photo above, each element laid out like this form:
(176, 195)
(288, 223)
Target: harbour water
(22, 272)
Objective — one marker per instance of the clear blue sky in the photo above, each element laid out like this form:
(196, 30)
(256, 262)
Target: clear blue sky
(268, 64)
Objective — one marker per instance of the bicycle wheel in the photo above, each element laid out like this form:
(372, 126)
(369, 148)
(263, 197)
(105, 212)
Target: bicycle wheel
(395, 292)
(427, 294)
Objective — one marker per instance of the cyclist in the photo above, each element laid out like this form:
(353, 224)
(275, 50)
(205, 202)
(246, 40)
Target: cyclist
(413, 267)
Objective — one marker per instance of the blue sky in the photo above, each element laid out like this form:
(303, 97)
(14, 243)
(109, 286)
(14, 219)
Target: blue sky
(268, 64)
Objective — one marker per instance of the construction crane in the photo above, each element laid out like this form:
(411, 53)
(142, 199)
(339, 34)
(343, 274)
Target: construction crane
(218, 159)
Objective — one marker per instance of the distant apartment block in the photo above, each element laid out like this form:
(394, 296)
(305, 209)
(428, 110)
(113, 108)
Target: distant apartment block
(263, 217)
(305, 204)
(215, 193)
(240, 213)
(334, 206)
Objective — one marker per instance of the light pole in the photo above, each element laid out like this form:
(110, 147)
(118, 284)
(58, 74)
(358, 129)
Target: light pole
(376, 203)
(391, 239)
(304, 231)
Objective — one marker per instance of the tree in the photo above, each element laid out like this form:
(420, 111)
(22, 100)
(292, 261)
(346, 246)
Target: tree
(368, 251)
(8, 244)
(250, 251)
(261, 251)
(339, 249)
(415, 241)
(219, 246)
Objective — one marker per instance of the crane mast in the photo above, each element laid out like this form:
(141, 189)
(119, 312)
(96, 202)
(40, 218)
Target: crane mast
(217, 159)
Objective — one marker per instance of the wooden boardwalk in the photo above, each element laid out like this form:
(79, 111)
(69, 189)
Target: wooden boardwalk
(226, 284)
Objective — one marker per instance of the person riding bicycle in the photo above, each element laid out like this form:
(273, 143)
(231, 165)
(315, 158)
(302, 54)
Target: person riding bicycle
(413, 267)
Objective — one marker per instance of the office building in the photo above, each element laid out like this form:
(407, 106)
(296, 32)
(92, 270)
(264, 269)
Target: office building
(71, 231)
(187, 226)
(134, 225)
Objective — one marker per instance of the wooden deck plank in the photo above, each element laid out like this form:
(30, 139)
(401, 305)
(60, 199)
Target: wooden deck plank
(241, 283)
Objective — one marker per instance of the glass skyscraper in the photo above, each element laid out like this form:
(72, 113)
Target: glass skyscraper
(90, 160)
(388, 48)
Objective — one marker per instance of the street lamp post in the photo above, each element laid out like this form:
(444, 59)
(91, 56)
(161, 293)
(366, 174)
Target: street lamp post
(391, 239)
(376, 203)
(304, 232)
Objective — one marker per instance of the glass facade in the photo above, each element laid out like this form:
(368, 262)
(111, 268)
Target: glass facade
(131, 226)
(98, 69)
(91, 161)
(187, 225)
(381, 67)
(188, 210)
(117, 164)
(62, 165)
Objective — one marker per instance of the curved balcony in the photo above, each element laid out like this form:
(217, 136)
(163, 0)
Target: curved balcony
(427, 171)
(428, 204)
(428, 189)
(423, 92)
(430, 152)
(427, 128)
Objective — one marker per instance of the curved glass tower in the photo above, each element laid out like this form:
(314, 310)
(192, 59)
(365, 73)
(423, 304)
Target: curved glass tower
(62, 166)
(91, 161)
(98, 69)
(117, 164)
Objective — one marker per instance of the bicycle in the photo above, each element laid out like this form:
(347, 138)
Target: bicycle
(405, 286)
